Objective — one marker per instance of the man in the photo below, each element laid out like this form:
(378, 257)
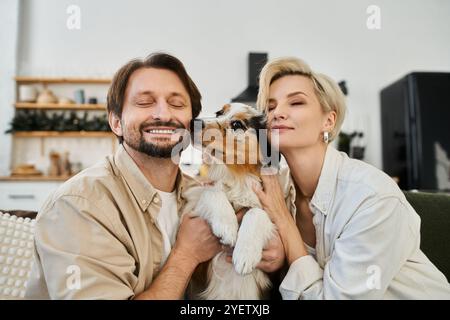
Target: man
(111, 231)
(101, 234)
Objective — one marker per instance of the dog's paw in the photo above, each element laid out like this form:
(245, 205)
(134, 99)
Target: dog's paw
(246, 256)
(226, 228)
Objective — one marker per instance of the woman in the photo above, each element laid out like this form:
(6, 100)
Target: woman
(354, 235)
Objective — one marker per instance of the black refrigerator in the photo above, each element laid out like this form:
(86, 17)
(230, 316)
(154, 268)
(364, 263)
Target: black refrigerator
(415, 124)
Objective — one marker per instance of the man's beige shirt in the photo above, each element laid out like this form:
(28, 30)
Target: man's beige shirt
(100, 227)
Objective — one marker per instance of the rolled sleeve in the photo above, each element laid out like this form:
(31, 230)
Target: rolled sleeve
(378, 239)
(303, 273)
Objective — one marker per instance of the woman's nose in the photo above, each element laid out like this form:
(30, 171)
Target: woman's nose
(279, 112)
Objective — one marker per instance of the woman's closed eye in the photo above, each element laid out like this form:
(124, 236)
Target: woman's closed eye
(297, 103)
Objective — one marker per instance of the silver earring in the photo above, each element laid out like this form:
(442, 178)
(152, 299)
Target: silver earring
(326, 137)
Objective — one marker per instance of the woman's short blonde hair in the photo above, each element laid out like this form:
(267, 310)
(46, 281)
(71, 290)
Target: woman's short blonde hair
(327, 90)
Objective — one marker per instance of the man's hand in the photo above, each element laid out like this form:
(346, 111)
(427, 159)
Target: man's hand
(273, 256)
(195, 244)
(195, 240)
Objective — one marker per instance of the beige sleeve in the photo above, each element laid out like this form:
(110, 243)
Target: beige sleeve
(80, 254)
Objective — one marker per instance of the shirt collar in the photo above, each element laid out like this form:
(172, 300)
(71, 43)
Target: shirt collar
(179, 184)
(142, 189)
(326, 186)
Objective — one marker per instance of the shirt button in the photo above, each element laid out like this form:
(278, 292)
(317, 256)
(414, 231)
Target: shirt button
(144, 202)
(156, 200)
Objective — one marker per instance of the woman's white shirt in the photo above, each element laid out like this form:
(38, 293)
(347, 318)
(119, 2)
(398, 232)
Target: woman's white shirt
(367, 240)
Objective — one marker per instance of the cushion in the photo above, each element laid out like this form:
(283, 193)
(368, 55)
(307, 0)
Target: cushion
(16, 254)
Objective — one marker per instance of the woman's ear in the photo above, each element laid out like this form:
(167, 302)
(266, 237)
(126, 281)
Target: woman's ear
(115, 124)
(330, 121)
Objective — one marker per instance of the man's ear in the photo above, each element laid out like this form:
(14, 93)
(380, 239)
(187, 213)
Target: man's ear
(115, 124)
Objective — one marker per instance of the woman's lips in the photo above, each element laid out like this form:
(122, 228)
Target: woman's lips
(281, 129)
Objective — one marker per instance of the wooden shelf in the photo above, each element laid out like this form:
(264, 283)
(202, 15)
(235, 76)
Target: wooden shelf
(64, 134)
(64, 80)
(57, 106)
(42, 136)
(35, 178)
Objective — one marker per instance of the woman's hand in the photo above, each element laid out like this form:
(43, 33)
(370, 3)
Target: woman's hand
(272, 200)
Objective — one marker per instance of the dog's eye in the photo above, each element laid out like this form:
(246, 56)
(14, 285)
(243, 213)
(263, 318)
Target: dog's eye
(236, 125)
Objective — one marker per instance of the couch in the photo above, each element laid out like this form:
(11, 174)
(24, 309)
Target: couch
(434, 212)
(16, 240)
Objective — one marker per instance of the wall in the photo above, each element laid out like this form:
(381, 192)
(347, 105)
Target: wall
(213, 39)
(9, 13)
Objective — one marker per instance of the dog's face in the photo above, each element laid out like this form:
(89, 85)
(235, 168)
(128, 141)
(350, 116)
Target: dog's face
(233, 136)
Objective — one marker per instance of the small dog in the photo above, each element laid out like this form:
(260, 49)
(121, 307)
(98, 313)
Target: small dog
(236, 156)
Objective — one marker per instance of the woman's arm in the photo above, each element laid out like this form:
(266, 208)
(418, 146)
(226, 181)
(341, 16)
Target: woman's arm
(371, 250)
(366, 256)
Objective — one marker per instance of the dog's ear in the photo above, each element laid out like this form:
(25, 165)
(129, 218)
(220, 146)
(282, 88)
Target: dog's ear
(259, 123)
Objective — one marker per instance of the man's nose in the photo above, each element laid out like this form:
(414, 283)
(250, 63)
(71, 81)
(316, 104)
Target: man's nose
(162, 112)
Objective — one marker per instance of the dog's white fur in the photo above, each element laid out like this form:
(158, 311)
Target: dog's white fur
(217, 204)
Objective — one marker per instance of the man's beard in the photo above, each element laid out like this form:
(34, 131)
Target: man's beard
(138, 142)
